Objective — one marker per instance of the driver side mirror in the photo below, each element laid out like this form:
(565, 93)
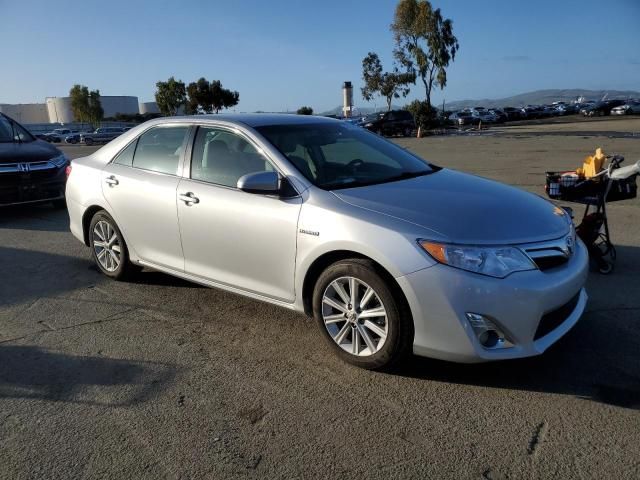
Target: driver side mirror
(265, 183)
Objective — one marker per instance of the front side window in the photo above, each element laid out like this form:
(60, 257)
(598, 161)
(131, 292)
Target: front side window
(342, 155)
(159, 149)
(222, 157)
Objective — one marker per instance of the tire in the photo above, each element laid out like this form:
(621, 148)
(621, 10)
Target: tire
(88, 141)
(406, 132)
(387, 337)
(102, 225)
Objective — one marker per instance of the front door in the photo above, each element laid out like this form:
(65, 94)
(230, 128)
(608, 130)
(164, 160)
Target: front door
(140, 186)
(239, 239)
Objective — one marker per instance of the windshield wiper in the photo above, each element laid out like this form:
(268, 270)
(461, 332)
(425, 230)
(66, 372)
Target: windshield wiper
(406, 175)
(364, 183)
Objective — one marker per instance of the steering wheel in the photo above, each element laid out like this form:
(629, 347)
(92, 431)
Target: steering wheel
(355, 164)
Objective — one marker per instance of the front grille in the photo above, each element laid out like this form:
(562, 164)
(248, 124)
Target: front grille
(546, 263)
(551, 254)
(552, 320)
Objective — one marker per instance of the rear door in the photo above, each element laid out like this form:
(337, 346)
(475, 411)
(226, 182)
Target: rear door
(239, 239)
(140, 186)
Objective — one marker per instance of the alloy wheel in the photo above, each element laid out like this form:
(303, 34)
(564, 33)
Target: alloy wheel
(106, 246)
(354, 316)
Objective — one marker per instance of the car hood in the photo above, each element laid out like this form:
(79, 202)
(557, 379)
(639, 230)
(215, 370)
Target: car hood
(463, 208)
(25, 152)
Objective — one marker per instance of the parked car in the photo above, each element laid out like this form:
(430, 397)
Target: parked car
(31, 170)
(513, 113)
(393, 122)
(501, 116)
(629, 108)
(566, 109)
(485, 117)
(75, 137)
(57, 135)
(601, 108)
(389, 253)
(101, 135)
(463, 118)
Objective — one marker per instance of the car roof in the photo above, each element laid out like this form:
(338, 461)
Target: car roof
(260, 119)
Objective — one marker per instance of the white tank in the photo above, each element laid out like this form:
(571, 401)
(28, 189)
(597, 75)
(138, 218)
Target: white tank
(347, 99)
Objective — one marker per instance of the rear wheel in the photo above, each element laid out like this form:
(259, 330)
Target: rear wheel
(364, 320)
(108, 247)
(88, 141)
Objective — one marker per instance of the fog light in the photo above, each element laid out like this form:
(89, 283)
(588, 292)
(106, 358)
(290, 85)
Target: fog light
(488, 334)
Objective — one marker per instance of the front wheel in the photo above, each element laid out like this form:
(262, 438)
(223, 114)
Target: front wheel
(108, 247)
(361, 315)
(88, 141)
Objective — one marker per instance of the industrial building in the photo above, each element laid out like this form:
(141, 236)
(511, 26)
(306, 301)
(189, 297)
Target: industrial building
(58, 109)
(26, 112)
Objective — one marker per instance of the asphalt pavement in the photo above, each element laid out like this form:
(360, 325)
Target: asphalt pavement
(161, 378)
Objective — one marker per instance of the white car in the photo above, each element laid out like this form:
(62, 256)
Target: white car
(389, 253)
(631, 108)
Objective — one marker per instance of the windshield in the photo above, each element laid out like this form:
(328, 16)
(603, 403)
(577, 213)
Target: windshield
(13, 132)
(342, 155)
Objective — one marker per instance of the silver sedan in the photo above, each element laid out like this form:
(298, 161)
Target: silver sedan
(389, 253)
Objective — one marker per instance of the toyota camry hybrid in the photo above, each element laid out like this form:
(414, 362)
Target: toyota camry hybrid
(389, 253)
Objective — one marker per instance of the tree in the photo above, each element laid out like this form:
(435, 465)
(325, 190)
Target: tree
(170, 96)
(223, 98)
(86, 105)
(95, 111)
(388, 85)
(209, 97)
(305, 111)
(425, 43)
(422, 113)
(79, 95)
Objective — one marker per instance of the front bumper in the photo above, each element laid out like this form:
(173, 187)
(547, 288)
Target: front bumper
(32, 187)
(440, 296)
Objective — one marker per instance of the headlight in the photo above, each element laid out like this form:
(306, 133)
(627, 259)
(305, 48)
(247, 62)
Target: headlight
(493, 261)
(59, 161)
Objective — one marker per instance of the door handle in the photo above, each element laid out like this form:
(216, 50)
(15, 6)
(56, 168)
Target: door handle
(112, 180)
(188, 198)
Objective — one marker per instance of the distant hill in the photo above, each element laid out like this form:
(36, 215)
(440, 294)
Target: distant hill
(541, 97)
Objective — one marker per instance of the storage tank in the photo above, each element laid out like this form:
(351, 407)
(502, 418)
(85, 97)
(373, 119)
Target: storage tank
(347, 99)
(59, 109)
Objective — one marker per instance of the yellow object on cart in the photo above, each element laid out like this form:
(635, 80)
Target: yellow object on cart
(593, 164)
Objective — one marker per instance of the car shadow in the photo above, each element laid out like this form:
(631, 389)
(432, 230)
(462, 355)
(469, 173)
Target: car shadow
(29, 274)
(31, 372)
(597, 360)
(41, 217)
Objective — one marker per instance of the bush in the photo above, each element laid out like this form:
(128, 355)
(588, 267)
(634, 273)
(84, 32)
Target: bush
(425, 115)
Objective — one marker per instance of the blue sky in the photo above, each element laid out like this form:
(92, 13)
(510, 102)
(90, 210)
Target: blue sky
(283, 54)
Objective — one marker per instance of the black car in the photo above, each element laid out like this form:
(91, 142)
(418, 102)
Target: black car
(513, 113)
(31, 170)
(393, 122)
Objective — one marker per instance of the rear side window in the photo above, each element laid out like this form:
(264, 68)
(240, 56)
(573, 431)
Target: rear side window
(159, 149)
(125, 157)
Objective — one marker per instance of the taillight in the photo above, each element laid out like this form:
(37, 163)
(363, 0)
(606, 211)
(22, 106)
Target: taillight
(67, 170)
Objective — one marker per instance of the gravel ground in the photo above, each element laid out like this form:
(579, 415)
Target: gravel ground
(160, 378)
